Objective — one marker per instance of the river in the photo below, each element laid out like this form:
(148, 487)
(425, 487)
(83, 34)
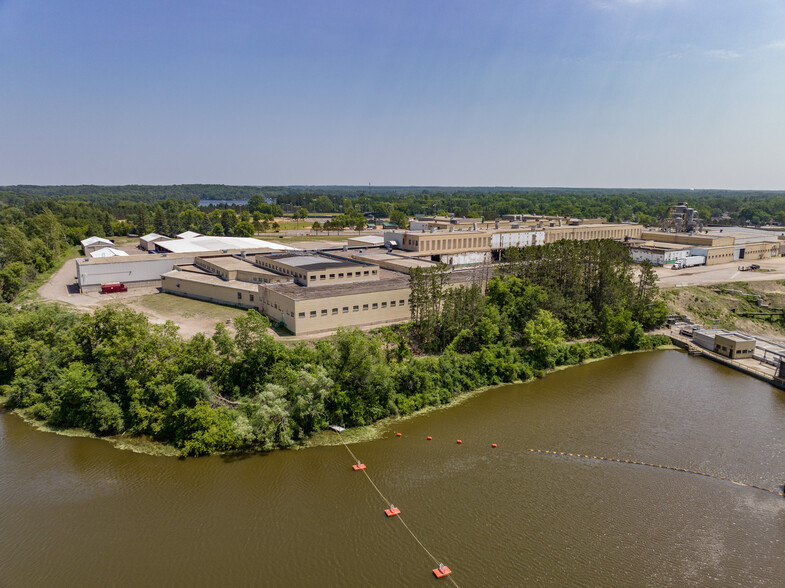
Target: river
(76, 511)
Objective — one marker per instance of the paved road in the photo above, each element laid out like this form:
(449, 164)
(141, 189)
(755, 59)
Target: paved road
(771, 269)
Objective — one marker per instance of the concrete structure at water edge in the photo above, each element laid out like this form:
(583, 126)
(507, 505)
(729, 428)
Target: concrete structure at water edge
(734, 345)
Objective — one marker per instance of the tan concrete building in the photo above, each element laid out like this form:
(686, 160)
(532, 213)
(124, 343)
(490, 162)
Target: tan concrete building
(192, 282)
(317, 270)
(688, 238)
(587, 232)
(734, 346)
(230, 267)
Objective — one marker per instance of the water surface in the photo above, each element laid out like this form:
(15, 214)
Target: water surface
(76, 511)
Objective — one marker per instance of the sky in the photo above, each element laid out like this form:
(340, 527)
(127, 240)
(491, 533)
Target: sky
(573, 93)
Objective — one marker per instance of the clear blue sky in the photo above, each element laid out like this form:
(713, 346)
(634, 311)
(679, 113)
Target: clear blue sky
(595, 93)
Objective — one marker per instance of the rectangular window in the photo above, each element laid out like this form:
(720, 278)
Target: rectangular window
(324, 312)
(335, 311)
(392, 303)
(313, 314)
(313, 277)
(345, 309)
(375, 305)
(365, 307)
(321, 277)
(301, 315)
(384, 305)
(355, 308)
(332, 276)
(340, 276)
(374, 272)
(251, 297)
(402, 302)
(239, 296)
(365, 272)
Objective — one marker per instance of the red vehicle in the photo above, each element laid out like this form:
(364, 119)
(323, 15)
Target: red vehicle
(109, 288)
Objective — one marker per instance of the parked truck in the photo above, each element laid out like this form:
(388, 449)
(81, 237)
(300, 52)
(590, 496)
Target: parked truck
(689, 261)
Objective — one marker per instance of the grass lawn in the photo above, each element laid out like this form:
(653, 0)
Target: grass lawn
(172, 305)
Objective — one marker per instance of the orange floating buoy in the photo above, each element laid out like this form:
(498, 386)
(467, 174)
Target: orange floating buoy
(392, 511)
(442, 571)
(429, 438)
(358, 466)
(397, 434)
(493, 444)
(458, 441)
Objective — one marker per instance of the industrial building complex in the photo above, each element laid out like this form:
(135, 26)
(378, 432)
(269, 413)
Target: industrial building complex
(366, 282)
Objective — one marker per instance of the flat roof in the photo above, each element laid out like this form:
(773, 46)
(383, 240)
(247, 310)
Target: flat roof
(735, 337)
(204, 278)
(310, 263)
(231, 263)
(401, 260)
(202, 244)
(388, 281)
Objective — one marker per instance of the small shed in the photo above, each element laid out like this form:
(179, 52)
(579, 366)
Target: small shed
(93, 243)
(146, 241)
(189, 235)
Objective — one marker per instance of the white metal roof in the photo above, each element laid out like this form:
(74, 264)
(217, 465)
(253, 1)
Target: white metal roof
(189, 235)
(108, 252)
(199, 244)
(95, 240)
(369, 239)
(152, 237)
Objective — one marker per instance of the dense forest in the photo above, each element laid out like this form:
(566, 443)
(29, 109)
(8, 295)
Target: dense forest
(113, 372)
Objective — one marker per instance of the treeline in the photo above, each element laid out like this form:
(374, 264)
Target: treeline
(644, 206)
(576, 289)
(113, 372)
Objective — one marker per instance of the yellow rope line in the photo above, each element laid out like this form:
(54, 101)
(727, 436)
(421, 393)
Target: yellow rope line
(399, 517)
(653, 465)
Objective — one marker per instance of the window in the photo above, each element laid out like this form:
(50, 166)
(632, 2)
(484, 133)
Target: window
(335, 311)
(324, 312)
(313, 314)
(340, 275)
(365, 272)
(392, 303)
(355, 308)
(384, 305)
(374, 272)
(239, 296)
(365, 307)
(375, 305)
(313, 277)
(251, 297)
(321, 277)
(332, 276)
(345, 309)
(402, 302)
(300, 315)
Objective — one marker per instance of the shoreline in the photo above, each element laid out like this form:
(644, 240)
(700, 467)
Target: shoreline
(325, 438)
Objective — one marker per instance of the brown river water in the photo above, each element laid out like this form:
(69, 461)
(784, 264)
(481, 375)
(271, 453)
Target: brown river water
(78, 512)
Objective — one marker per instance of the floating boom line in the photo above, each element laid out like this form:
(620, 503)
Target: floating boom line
(388, 503)
(654, 465)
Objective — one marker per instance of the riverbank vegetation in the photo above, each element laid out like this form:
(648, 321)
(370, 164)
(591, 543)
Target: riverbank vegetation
(112, 372)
